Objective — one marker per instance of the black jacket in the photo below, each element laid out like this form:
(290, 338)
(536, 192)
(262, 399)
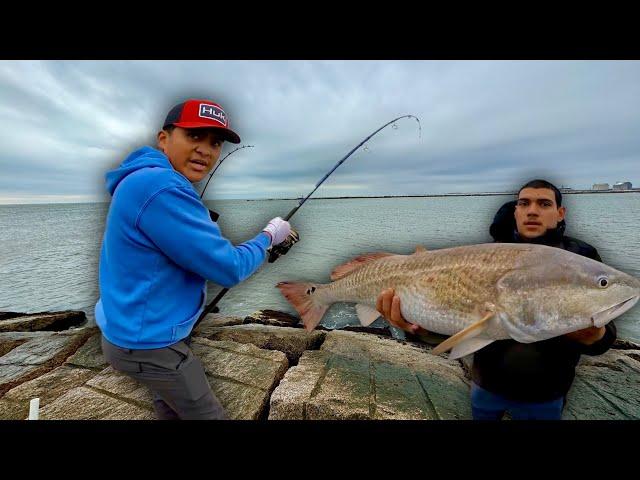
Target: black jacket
(539, 371)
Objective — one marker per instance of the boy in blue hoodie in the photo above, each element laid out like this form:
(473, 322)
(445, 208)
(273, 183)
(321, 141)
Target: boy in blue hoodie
(160, 247)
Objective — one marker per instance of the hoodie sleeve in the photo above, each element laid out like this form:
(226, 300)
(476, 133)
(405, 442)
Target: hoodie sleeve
(180, 227)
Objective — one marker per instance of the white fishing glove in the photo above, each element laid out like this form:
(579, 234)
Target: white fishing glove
(278, 229)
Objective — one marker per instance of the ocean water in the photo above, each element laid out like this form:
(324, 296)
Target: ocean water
(49, 253)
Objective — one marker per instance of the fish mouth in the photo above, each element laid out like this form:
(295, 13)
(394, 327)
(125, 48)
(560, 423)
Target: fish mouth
(603, 317)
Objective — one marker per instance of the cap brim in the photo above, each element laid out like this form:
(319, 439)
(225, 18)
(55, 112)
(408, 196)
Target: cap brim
(229, 135)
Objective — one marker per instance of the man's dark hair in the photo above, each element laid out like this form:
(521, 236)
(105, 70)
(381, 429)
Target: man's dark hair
(169, 128)
(543, 184)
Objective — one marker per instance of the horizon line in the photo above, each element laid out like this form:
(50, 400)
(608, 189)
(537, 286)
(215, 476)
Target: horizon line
(346, 197)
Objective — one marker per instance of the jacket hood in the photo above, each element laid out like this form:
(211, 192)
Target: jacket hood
(142, 158)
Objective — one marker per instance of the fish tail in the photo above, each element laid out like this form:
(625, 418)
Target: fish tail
(304, 299)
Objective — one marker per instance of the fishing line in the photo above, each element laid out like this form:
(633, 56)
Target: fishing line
(220, 163)
(275, 251)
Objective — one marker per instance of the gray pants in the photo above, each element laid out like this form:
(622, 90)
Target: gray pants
(175, 377)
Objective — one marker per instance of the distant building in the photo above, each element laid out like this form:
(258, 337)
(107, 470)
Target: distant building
(600, 186)
(622, 186)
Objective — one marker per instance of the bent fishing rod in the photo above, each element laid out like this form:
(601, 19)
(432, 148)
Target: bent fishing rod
(214, 215)
(220, 163)
(275, 251)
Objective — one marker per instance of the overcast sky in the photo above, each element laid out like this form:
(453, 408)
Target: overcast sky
(486, 125)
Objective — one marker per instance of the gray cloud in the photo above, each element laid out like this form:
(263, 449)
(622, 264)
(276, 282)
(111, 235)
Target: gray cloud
(486, 125)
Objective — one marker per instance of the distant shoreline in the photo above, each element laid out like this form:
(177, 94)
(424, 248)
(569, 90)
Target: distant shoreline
(431, 195)
(474, 194)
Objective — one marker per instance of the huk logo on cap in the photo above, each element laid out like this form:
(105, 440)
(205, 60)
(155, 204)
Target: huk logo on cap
(213, 112)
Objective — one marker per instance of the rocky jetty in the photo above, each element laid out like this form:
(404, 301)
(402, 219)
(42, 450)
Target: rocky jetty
(265, 366)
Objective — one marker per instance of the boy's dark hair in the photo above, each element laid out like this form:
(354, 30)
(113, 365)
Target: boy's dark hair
(543, 184)
(169, 128)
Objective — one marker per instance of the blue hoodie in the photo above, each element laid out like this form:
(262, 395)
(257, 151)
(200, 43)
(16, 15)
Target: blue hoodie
(159, 248)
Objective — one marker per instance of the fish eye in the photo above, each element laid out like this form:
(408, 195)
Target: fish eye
(603, 282)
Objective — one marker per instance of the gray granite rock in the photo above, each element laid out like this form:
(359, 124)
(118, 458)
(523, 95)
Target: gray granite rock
(89, 355)
(49, 321)
(15, 403)
(85, 403)
(242, 376)
(212, 321)
(291, 341)
(37, 354)
(336, 374)
(362, 376)
(606, 387)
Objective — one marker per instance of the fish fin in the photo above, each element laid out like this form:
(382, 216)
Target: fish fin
(301, 296)
(366, 314)
(346, 268)
(420, 249)
(471, 331)
(469, 346)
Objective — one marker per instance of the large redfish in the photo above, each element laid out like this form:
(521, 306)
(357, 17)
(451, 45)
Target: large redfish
(477, 293)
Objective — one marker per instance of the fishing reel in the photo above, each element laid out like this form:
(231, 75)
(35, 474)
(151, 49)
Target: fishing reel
(282, 248)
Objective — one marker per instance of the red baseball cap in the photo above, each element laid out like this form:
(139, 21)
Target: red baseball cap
(201, 114)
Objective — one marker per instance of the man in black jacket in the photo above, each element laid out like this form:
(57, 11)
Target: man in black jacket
(531, 380)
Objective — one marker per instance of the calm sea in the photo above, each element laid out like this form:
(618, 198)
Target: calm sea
(49, 253)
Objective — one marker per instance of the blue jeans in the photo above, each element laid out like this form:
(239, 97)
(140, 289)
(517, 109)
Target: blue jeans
(489, 406)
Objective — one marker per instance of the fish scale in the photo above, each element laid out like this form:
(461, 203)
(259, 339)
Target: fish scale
(459, 285)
